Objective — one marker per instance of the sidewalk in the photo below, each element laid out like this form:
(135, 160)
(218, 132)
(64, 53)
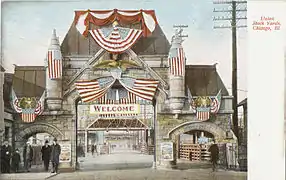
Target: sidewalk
(138, 174)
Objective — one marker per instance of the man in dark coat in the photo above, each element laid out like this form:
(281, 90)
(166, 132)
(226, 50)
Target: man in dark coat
(214, 155)
(6, 151)
(46, 155)
(16, 159)
(28, 156)
(55, 156)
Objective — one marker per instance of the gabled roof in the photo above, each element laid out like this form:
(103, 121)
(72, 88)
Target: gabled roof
(76, 44)
(243, 102)
(29, 81)
(2, 69)
(204, 80)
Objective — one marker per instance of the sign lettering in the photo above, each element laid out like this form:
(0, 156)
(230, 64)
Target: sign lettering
(115, 109)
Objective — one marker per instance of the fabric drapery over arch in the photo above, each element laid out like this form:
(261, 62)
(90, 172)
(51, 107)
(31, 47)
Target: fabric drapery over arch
(147, 19)
(92, 90)
(116, 39)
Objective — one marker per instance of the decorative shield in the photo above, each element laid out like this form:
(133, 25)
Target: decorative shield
(28, 115)
(203, 113)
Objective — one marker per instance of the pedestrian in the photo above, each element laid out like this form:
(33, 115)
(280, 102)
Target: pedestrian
(55, 156)
(213, 149)
(46, 155)
(16, 159)
(28, 156)
(92, 149)
(5, 157)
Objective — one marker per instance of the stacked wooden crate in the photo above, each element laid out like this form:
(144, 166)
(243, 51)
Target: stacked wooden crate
(151, 149)
(190, 152)
(205, 155)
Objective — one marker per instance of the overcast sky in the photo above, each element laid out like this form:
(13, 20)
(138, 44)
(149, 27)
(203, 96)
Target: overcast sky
(27, 28)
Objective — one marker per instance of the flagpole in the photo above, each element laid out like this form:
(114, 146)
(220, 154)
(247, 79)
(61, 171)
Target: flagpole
(154, 134)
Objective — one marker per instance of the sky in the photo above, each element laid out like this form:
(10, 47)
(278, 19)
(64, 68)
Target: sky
(27, 28)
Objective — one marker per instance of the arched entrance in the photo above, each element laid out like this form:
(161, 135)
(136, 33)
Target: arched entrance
(31, 129)
(36, 134)
(215, 130)
(192, 141)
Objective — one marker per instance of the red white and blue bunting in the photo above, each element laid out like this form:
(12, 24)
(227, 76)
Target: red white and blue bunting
(29, 107)
(147, 19)
(116, 39)
(92, 90)
(203, 106)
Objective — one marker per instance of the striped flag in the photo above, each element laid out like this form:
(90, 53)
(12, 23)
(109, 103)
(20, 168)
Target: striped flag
(191, 101)
(144, 88)
(91, 90)
(28, 115)
(126, 97)
(54, 64)
(116, 39)
(176, 62)
(15, 102)
(216, 101)
(40, 107)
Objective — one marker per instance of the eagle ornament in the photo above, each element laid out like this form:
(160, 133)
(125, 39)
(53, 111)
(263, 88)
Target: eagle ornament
(29, 107)
(203, 106)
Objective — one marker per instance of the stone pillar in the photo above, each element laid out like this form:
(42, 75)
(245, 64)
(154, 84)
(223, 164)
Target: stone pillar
(177, 75)
(53, 86)
(178, 146)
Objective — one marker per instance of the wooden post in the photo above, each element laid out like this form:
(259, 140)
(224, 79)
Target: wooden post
(85, 141)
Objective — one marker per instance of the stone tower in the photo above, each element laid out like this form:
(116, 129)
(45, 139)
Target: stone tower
(54, 74)
(177, 63)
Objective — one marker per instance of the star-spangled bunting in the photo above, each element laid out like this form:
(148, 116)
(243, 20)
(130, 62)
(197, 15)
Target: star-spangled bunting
(92, 90)
(203, 113)
(28, 114)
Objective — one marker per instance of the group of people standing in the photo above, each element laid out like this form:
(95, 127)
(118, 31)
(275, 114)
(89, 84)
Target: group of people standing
(51, 153)
(11, 160)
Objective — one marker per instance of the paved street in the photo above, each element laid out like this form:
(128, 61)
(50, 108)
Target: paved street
(118, 159)
(131, 165)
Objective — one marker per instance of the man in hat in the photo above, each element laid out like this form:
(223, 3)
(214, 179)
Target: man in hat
(6, 151)
(55, 156)
(46, 154)
(214, 150)
(28, 156)
(16, 159)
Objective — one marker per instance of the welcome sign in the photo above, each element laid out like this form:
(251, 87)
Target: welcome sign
(115, 109)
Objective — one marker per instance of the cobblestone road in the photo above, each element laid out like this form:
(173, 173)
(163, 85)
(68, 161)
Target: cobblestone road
(133, 166)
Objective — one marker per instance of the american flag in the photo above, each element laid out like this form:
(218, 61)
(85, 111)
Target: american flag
(190, 100)
(176, 62)
(28, 115)
(203, 113)
(54, 64)
(91, 90)
(40, 107)
(126, 97)
(144, 88)
(15, 102)
(216, 103)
